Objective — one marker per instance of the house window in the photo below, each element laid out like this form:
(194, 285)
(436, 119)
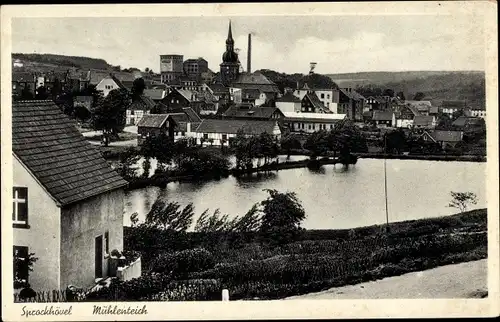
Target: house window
(224, 137)
(183, 133)
(331, 126)
(106, 243)
(322, 95)
(328, 96)
(21, 268)
(20, 207)
(205, 136)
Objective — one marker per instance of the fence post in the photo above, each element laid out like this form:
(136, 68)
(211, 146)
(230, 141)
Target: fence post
(225, 295)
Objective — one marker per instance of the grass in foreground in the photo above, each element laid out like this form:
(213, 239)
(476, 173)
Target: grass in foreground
(319, 260)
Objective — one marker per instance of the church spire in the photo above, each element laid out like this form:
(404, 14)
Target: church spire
(229, 40)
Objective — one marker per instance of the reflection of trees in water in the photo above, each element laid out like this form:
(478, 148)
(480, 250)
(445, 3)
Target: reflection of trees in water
(259, 177)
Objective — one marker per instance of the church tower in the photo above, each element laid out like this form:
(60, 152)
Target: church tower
(229, 69)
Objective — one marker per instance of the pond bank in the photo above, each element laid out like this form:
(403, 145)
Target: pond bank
(466, 158)
(162, 179)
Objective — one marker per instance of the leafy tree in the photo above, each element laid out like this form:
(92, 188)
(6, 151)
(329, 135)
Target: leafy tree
(317, 143)
(395, 141)
(461, 200)
(146, 167)
(41, 93)
(26, 93)
(20, 266)
(170, 216)
(388, 92)
(418, 96)
(110, 116)
(290, 142)
(212, 223)
(160, 147)
(138, 87)
(282, 214)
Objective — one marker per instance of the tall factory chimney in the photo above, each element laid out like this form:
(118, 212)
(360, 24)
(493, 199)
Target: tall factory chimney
(249, 57)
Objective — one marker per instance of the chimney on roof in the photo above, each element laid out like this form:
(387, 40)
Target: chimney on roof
(249, 54)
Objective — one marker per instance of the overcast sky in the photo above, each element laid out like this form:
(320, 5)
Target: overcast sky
(287, 44)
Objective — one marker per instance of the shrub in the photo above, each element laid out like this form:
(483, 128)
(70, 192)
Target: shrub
(183, 262)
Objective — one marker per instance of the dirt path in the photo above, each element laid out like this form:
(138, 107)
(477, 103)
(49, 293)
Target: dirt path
(465, 280)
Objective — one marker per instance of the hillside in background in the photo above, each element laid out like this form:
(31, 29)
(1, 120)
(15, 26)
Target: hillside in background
(61, 60)
(436, 86)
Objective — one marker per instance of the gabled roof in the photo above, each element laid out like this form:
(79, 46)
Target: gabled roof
(459, 104)
(446, 136)
(193, 117)
(382, 115)
(155, 94)
(352, 94)
(81, 75)
(253, 78)
(218, 88)
(143, 103)
(153, 120)
(288, 98)
(316, 102)
(48, 143)
(250, 127)
(255, 112)
(189, 95)
(423, 120)
(250, 93)
(464, 121)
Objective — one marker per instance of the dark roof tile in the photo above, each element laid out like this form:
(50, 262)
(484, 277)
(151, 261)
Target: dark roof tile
(48, 143)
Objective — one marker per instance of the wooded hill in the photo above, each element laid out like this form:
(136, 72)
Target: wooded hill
(61, 60)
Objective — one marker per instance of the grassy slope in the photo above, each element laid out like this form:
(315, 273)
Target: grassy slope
(322, 259)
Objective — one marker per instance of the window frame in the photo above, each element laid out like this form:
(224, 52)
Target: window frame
(16, 223)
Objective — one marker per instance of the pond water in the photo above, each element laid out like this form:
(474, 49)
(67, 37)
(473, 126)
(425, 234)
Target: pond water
(333, 198)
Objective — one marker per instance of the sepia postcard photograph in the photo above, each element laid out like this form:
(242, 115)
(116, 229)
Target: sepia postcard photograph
(243, 161)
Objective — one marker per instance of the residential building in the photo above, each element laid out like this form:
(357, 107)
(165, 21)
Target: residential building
(422, 107)
(443, 138)
(424, 121)
(139, 107)
(311, 122)
(289, 103)
(253, 113)
(384, 118)
(219, 132)
(478, 112)
(351, 103)
(194, 69)
(22, 80)
(310, 103)
(258, 85)
(67, 201)
(450, 107)
(78, 80)
(185, 121)
(156, 94)
(152, 125)
(171, 68)
(176, 100)
(378, 102)
(84, 101)
(108, 84)
(328, 96)
(469, 124)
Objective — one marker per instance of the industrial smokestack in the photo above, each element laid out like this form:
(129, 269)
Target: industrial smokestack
(249, 57)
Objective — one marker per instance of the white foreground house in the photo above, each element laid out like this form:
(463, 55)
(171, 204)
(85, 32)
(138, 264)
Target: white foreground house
(219, 132)
(311, 122)
(67, 201)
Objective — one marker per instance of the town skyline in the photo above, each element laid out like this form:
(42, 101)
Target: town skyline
(371, 45)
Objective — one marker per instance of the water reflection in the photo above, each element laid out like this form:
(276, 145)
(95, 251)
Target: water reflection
(333, 197)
